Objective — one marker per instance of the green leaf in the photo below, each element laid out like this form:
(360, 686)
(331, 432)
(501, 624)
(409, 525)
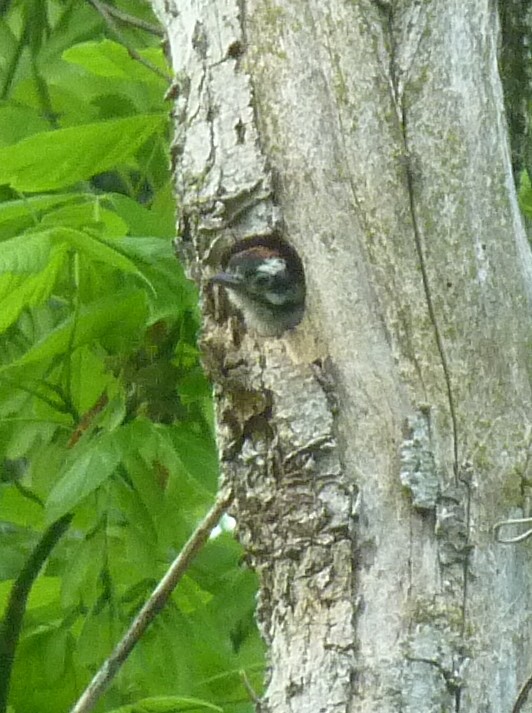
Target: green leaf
(44, 591)
(525, 194)
(18, 509)
(83, 476)
(141, 446)
(86, 216)
(78, 578)
(140, 219)
(198, 455)
(41, 679)
(16, 215)
(174, 293)
(54, 159)
(22, 285)
(167, 704)
(189, 596)
(86, 392)
(17, 122)
(8, 40)
(123, 313)
(25, 254)
(97, 637)
(110, 59)
(100, 249)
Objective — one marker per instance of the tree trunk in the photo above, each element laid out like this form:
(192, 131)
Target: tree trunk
(373, 448)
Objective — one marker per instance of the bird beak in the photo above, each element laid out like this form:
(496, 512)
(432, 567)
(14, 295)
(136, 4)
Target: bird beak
(226, 279)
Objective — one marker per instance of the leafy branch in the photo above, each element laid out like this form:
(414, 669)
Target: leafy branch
(108, 13)
(153, 605)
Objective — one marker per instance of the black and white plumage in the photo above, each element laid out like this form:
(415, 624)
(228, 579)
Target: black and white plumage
(266, 283)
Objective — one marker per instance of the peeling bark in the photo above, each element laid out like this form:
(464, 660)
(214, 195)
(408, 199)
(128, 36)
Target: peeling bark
(371, 135)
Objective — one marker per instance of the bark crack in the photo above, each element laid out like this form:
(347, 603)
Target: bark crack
(410, 171)
(411, 176)
(458, 476)
(410, 179)
(449, 677)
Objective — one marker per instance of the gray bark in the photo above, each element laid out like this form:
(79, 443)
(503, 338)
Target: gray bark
(372, 449)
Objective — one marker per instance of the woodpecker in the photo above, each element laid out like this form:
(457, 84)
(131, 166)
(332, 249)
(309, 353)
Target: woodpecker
(266, 284)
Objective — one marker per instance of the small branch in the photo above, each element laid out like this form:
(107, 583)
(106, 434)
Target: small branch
(103, 9)
(153, 605)
(128, 19)
(55, 405)
(16, 606)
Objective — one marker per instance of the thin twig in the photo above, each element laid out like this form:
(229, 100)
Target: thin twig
(153, 605)
(103, 9)
(134, 21)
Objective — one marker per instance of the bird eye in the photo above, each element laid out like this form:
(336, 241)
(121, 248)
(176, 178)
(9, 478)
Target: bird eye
(262, 280)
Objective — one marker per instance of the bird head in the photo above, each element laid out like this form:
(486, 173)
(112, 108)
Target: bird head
(267, 285)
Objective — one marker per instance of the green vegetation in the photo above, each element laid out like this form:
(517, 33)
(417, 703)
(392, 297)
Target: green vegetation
(106, 427)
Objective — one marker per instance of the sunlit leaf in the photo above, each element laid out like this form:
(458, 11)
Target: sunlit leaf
(55, 159)
(25, 254)
(44, 591)
(99, 248)
(111, 59)
(21, 284)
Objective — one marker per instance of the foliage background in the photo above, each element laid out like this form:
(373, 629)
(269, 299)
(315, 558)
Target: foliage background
(105, 412)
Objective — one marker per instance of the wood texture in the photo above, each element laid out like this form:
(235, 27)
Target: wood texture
(373, 449)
